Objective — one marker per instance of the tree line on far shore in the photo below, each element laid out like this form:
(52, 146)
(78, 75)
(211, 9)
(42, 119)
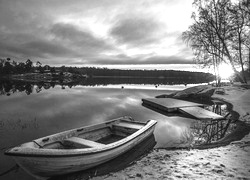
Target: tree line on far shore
(9, 67)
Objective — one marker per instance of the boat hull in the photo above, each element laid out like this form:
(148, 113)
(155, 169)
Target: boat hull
(48, 166)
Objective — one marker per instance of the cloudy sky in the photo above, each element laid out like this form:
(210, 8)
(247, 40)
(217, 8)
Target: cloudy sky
(80, 32)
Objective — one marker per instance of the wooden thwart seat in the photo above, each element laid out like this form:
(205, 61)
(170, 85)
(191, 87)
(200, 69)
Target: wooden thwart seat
(80, 142)
(129, 125)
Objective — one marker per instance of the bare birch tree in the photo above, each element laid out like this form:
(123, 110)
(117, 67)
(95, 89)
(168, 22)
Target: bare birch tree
(216, 35)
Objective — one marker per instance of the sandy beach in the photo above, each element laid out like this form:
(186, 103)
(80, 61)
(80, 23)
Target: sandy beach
(225, 162)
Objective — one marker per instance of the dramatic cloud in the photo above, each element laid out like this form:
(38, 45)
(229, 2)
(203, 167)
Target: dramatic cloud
(122, 59)
(136, 31)
(95, 32)
(81, 40)
(30, 46)
(47, 48)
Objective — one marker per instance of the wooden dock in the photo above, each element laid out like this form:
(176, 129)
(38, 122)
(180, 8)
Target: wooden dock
(200, 113)
(170, 105)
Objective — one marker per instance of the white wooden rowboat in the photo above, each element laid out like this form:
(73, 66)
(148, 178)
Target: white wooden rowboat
(81, 148)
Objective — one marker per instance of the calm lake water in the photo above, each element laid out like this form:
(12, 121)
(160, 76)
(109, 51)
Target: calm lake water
(47, 111)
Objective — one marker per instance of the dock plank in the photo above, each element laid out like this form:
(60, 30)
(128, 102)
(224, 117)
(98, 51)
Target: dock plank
(201, 113)
(169, 104)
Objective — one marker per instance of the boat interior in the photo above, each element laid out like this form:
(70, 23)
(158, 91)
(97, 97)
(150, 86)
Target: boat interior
(96, 136)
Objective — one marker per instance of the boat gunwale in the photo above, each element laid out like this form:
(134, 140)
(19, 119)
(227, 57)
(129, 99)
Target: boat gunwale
(53, 153)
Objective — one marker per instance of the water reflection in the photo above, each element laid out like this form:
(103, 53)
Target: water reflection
(9, 87)
(174, 132)
(13, 124)
(208, 132)
(194, 133)
(24, 118)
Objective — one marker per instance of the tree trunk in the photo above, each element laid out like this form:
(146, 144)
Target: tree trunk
(249, 60)
(232, 64)
(240, 57)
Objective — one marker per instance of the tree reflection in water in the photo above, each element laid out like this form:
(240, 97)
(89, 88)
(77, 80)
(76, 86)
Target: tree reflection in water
(11, 87)
(210, 131)
(207, 132)
(8, 87)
